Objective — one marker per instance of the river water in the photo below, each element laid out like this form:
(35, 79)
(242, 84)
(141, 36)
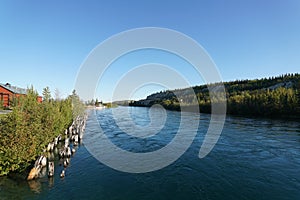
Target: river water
(253, 159)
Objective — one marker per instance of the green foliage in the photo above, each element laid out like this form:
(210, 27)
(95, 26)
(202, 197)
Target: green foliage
(93, 102)
(275, 96)
(46, 94)
(97, 103)
(110, 105)
(281, 101)
(77, 105)
(90, 102)
(26, 131)
(170, 105)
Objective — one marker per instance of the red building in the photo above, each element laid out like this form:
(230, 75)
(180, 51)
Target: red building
(8, 93)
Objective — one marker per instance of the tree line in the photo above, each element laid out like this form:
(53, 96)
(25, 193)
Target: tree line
(31, 125)
(274, 96)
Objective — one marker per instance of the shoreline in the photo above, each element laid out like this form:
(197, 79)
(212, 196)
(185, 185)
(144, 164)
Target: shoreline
(273, 116)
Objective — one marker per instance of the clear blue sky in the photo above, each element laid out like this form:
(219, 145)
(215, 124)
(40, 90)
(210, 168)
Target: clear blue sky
(43, 43)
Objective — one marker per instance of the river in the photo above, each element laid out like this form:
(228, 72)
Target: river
(253, 159)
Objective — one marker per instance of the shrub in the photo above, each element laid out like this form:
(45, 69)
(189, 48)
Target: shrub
(31, 125)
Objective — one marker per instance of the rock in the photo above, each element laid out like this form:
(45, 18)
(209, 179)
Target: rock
(66, 162)
(62, 174)
(34, 172)
(68, 152)
(41, 162)
(44, 161)
(76, 138)
(55, 141)
(50, 169)
(50, 147)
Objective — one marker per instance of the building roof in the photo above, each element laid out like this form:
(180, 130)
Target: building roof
(14, 89)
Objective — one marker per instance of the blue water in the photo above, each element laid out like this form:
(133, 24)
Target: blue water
(253, 159)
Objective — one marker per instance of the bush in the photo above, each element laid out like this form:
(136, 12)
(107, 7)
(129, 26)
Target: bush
(31, 125)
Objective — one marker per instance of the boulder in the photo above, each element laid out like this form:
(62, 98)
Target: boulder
(34, 172)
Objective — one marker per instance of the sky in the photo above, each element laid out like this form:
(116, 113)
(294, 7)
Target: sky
(45, 43)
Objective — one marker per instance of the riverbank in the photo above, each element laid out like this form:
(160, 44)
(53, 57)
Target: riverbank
(31, 126)
(269, 97)
(15, 185)
(63, 147)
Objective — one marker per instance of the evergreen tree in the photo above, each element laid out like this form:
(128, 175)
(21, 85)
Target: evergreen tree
(31, 125)
(46, 94)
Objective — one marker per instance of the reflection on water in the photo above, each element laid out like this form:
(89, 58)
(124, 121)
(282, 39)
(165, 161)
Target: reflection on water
(51, 182)
(253, 159)
(35, 186)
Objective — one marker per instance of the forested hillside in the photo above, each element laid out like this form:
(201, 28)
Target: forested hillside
(274, 96)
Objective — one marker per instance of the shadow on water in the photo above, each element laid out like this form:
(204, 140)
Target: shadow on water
(15, 185)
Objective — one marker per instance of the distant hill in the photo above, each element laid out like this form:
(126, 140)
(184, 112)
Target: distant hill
(274, 96)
